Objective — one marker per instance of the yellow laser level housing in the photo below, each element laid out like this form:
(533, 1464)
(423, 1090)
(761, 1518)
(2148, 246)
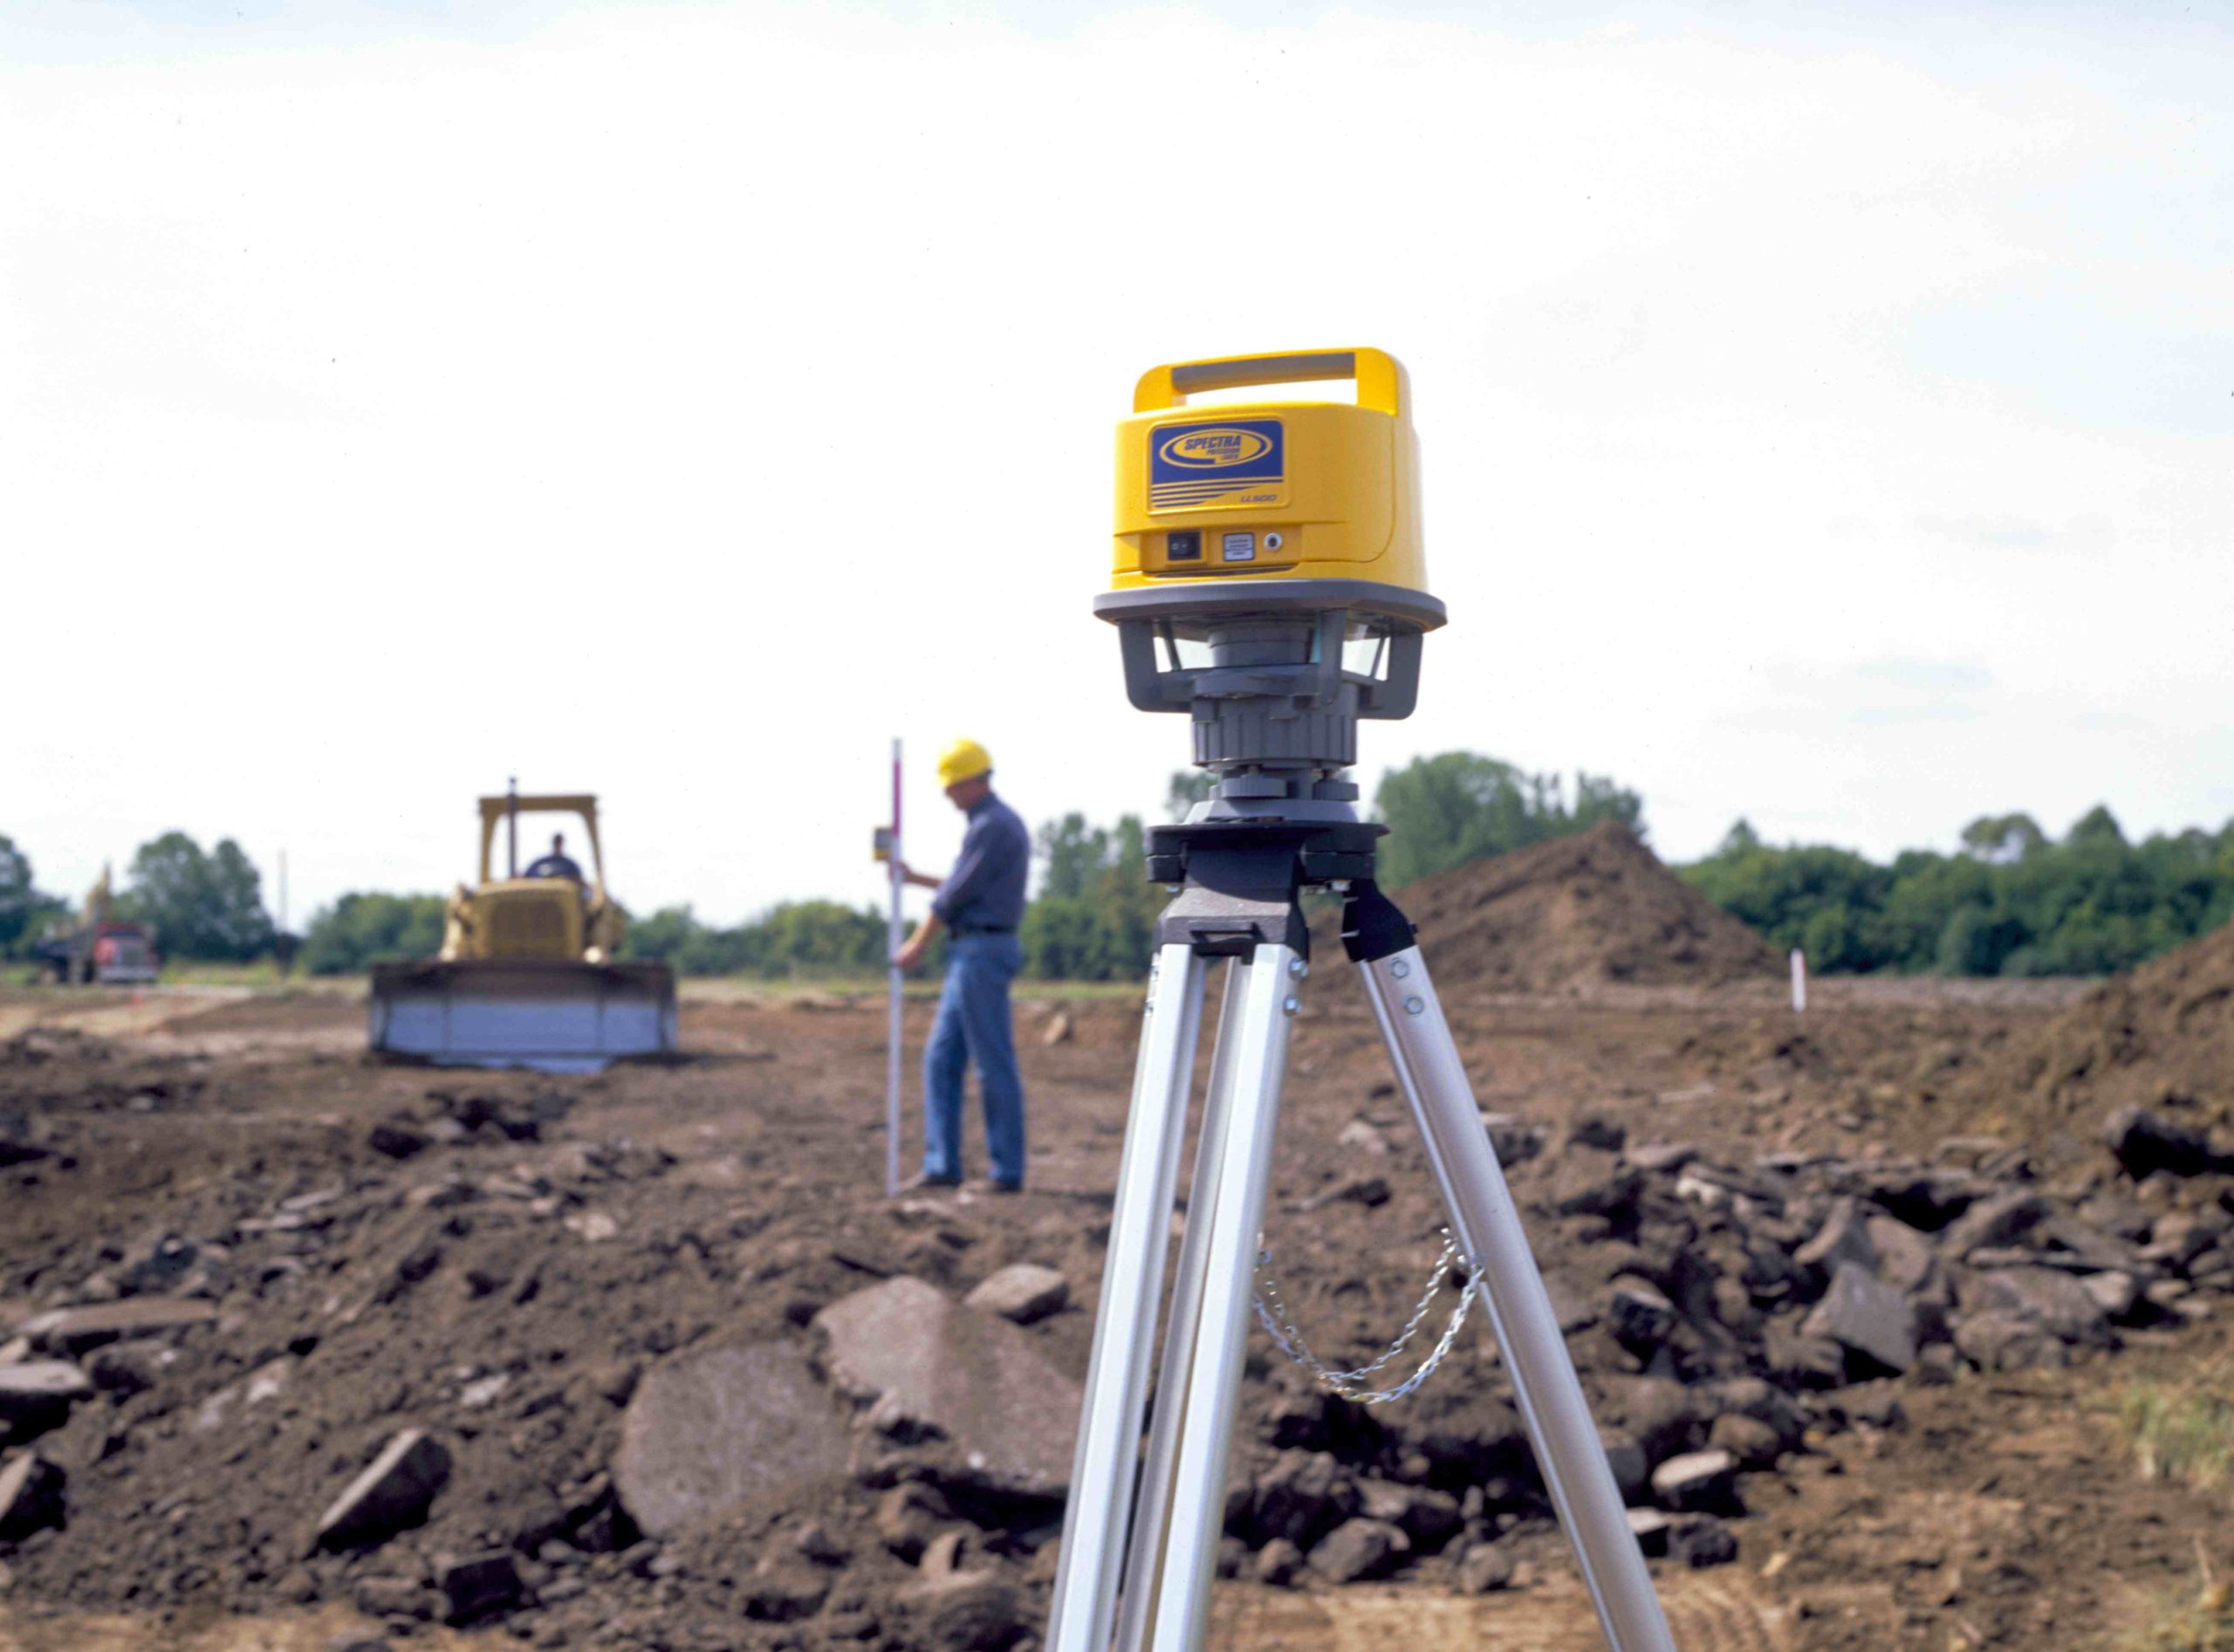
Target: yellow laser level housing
(1269, 582)
(1272, 490)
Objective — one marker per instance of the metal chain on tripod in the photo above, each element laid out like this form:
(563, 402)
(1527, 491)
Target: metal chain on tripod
(1279, 1323)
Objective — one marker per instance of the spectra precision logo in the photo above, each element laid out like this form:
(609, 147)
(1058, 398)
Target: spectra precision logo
(1217, 448)
(1216, 466)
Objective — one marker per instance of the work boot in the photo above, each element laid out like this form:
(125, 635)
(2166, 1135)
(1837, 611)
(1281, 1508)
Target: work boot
(925, 1181)
(990, 1184)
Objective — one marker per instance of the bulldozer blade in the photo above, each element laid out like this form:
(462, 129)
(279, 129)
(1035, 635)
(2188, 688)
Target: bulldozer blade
(557, 1016)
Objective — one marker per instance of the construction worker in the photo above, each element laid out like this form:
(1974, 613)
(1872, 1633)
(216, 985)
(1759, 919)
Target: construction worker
(557, 864)
(979, 904)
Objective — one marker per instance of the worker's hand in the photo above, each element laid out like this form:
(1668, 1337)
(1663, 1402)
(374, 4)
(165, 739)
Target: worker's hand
(911, 951)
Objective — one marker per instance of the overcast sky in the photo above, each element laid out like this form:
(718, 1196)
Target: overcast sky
(1828, 424)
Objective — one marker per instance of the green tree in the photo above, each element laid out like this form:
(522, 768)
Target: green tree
(1829, 903)
(361, 930)
(19, 896)
(1071, 853)
(1444, 811)
(208, 907)
(1094, 918)
(1187, 787)
(2014, 902)
(2002, 839)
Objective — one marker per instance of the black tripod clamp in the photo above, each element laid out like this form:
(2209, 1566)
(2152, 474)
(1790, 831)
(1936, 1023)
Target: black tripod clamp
(1241, 885)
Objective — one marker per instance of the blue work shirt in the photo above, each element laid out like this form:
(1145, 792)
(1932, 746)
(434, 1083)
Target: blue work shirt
(985, 889)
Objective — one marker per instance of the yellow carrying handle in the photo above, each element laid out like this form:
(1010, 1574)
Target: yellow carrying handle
(1380, 377)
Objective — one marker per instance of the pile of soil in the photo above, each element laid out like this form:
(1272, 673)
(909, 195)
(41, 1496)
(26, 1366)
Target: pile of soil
(2160, 1035)
(1577, 913)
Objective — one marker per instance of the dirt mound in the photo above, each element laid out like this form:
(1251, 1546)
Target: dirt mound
(1591, 910)
(37, 1046)
(2161, 1036)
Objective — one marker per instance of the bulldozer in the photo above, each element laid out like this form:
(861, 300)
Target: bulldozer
(528, 976)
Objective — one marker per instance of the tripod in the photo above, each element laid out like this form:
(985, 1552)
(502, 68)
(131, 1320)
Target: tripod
(1141, 1534)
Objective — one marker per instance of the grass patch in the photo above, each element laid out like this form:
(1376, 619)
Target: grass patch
(2182, 1431)
(2202, 1623)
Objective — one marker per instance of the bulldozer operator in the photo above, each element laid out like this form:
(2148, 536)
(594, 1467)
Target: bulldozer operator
(557, 864)
(979, 903)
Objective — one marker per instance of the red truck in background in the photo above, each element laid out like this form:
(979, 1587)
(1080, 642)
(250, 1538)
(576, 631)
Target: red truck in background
(99, 950)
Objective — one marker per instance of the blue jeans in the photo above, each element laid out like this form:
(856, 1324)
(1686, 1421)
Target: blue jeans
(973, 1027)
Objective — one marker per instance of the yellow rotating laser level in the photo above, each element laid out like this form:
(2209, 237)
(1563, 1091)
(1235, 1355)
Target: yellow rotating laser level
(1279, 538)
(1269, 584)
(1270, 488)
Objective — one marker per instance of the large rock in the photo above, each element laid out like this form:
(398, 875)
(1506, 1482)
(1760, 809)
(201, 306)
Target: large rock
(1702, 1540)
(30, 1496)
(1753, 1443)
(2179, 1238)
(2118, 1294)
(1801, 1360)
(942, 1368)
(1023, 1292)
(2004, 1343)
(1865, 1316)
(479, 1586)
(1583, 1180)
(1639, 1313)
(1999, 1220)
(75, 1331)
(1843, 1238)
(1660, 1414)
(968, 1612)
(1483, 1568)
(1904, 1256)
(392, 1492)
(710, 1431)
(40, 1391)
(1430, 1518)
(1625, 1455)
(1300, 1495)
(2145, 1142)
(1358, 1549)
(2051, 1301)
(1698, 1480)
(1753, 1398)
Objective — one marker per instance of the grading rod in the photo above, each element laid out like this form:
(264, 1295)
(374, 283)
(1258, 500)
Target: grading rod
(1549, 1394)
(1228, 1286)
(1105, 1467)
(896, 987)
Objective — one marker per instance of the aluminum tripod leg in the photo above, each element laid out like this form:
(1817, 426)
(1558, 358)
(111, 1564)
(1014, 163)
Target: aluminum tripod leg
(1152, 1517)
(1227, 1286)
(1549, 1395)
(1103, 1471)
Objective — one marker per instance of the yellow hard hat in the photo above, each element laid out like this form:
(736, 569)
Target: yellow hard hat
(963, 760)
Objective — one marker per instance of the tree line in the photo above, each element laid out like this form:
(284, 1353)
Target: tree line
(205, 905)
(2012, 901)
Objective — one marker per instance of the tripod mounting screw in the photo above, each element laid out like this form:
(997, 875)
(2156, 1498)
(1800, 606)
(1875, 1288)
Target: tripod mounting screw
(1297, 968)
(1413, 1006)
(1400, 969)
(1290, 1005)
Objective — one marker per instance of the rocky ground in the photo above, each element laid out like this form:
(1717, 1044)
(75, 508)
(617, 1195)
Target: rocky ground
(311, 1347)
